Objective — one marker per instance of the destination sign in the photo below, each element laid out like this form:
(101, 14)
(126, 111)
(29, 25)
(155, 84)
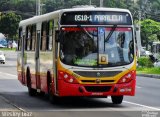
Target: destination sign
(95, 18)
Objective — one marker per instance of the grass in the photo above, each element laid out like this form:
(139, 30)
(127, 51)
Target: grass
(8, 49)
(152, 70)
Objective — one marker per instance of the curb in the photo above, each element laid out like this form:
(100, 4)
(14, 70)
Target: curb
(150, 75)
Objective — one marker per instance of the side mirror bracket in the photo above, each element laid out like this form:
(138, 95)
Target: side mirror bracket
(59, 36)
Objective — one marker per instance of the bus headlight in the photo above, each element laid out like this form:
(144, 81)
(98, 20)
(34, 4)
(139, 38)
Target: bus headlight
(67, 77)
(128, 77)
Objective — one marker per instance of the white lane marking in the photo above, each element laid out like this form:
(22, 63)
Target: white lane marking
(150, 107)
(141, 105)
(10, 76)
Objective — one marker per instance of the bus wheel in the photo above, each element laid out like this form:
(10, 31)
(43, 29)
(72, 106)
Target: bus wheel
(53, 99)
(31, 91)
(41, 93)
(117, 99)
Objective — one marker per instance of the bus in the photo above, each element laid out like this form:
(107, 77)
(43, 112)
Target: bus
(78, 52)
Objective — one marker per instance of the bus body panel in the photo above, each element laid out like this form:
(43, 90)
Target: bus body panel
(47, 64)
(69, 89)
(79, 89)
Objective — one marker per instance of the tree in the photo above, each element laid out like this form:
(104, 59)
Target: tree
(26, 6)
(52, 5)
(9, 24)
(6, 5)
(150, 31)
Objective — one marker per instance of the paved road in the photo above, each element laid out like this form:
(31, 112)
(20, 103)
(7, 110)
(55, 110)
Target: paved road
(146, 102)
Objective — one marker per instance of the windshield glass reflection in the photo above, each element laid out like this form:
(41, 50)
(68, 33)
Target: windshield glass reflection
(92, 47)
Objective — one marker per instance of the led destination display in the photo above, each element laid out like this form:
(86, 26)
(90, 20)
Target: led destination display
(95, 18)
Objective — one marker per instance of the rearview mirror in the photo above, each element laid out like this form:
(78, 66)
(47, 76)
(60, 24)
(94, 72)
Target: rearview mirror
(59, 36)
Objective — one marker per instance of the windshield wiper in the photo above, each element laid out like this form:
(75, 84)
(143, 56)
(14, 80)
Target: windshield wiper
(110, 33)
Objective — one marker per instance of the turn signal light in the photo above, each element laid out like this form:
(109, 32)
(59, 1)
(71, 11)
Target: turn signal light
(67, 77)
(128, 77)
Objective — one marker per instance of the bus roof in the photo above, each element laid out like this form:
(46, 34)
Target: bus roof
(56, 14)
(96, 9)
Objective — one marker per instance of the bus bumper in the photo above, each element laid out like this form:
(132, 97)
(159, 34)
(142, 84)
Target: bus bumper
(96, 90)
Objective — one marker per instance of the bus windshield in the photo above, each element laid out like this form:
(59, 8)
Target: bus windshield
(96, 46)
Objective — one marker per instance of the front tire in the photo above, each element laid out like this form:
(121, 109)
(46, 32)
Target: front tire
(52, 98)
(31, 91)
(117, 99)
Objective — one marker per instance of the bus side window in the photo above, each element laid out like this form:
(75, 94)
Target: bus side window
(43, 36)
(28, 38)
(19, 44)
(33, 37)
(49, 35)
(20, 39)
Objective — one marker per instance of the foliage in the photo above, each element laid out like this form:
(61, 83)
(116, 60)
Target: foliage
(6, 5)
(150, 31)
(145, 62)
(7, 49)
(9, 24)
(29, 6)
(25, 8)
(148, 8)
(144, 70)
(51, 5)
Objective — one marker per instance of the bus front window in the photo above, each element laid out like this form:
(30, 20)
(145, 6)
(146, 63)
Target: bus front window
(87, 46)
(78, 47)
(118, 48)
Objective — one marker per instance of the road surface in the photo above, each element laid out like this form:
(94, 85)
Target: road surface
(14, 98)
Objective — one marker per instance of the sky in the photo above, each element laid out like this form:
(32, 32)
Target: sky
(1, 36)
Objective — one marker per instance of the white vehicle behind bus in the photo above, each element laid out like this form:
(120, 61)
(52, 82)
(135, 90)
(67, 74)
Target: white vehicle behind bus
(2, 57)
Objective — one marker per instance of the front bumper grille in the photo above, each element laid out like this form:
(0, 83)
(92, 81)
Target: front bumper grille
(94, 81)
(98, 88)
(97, 73)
